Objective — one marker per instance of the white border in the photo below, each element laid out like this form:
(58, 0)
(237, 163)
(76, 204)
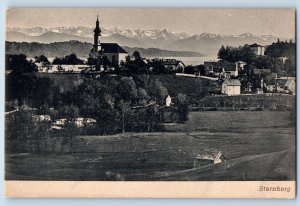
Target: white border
(133, 3)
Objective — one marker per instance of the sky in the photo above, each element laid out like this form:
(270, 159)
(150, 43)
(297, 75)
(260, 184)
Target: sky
(276, 22)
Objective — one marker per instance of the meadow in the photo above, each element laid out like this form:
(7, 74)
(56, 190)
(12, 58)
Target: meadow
(259, 145)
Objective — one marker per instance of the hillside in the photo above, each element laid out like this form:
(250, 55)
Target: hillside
(82, 49)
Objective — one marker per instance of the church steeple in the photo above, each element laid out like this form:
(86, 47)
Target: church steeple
(97, 34)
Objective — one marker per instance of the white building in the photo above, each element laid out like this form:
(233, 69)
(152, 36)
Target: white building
(208, 157)
(257, 49)
(168, 101)
(231, 87)
(79, 122)
(290, 85)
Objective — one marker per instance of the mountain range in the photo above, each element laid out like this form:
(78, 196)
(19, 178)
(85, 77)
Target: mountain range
(205, 43)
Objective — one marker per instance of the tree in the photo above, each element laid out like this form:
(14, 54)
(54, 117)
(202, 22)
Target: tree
(125, 110)
(136, 55)
(222, 54)
(182, 107)
(19, 63)
(71, 112)
(158, 91)
(127, 89)
(190, 69)
(41, 59)
(71, 59)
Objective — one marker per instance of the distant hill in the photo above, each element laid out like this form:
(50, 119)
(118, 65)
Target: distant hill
(82, 49)
(155, 52)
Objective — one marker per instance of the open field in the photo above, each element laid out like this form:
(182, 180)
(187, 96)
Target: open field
(259, 146)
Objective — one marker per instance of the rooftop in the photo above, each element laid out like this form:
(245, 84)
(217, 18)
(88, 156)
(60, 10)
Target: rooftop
(112, 48)
(232, 82)
(209, 155)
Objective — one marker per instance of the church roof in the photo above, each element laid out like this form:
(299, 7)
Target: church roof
(112, 48)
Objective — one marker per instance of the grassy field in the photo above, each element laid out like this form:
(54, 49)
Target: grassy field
(258, 145)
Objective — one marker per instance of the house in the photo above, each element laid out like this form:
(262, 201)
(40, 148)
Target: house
(41, 118)
(79, 122)
(257, 49)
(290, 85)
(283, 59)
(282, 86)
(208, 157)
(209, 67)
(218, 71)
(78, 68)
(271, 88)
(233, 69)
(43, 67)
(240, 66)
(173, 65)
(168, 101)
(230, 69)
(106, 53)
(231, 87)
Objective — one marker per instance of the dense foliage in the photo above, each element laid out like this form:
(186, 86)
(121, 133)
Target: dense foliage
(71, 59)
(117, 103)
(19, 63)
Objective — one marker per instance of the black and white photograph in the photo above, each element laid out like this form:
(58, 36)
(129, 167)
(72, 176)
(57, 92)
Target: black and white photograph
(150, 94)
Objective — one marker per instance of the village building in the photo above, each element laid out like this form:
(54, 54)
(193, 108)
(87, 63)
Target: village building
(290, 85)
(257, 49)
(43, 67)
(41, 118)
(168, 101)
(283, 59)
(106, 53)
(209, 67)
(208, 158)
(79, 122)
(231, 72)
(287, 86)
(231, 87)
(173, 65)
(230, 69)
(78, 68)
(240, 65)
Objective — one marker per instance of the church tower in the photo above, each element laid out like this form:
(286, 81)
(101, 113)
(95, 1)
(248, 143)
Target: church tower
(97, 34)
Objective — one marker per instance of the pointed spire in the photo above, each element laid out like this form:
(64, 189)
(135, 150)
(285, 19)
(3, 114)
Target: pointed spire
(97, 30)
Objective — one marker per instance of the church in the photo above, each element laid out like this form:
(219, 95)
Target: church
(105, 55)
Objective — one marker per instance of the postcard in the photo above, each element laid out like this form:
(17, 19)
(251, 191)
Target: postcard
(150, 103)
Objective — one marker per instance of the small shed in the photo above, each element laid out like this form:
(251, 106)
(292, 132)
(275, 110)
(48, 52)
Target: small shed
(231, 87)
(168, 101)
(208, 157)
